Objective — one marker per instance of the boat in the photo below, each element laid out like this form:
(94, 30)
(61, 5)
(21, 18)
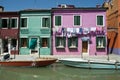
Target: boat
(38, 62)
(91, 64)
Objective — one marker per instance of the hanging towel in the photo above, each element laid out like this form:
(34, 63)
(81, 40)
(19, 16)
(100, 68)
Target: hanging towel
(93, 29)
(80, 31)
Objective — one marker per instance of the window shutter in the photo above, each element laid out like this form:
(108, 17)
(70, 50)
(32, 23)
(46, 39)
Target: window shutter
(48, 22)
(96, 42)
(76, 20)
(99, 20)
(27, 42)
(69, 42)
(64, 41)
(76, 39)
(104, 41)
(57, 20)
(43, 22)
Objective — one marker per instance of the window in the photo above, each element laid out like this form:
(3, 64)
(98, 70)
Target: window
(100, 20)
(77, 20)
(73, 42)
(100, 42)
(4, 23)
(24, 42)
(57, 20)
(13, 22)
(45, 42)
(13, 44)
(60, 42)
(23, 22)
(45, 22)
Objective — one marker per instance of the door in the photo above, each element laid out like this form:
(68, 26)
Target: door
(84, 46)
(33, 45)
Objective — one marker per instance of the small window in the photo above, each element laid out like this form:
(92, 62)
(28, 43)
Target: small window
(100, 42)
(13, 22)
(73, 42)
(76, 20)
(24, 42)
(99, 20)
(13, 44)
(60, 42)
(45, 42)
(23, 22)
(4, 23)
(45, 22)
(57, 20)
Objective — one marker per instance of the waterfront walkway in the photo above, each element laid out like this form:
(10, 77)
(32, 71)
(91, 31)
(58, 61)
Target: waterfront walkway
(34, 56)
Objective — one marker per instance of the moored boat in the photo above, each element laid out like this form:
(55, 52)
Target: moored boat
(38, 62)
(91, 64)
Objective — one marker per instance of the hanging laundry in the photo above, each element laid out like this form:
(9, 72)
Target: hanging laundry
(80, 31)
(93, 29)
(77, 30)
(85, 30)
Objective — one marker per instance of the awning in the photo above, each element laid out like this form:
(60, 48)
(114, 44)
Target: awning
(85, 38)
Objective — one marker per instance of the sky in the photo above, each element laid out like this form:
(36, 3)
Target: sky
(16, 5)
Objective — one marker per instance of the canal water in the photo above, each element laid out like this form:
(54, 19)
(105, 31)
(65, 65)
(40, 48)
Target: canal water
(57, 71)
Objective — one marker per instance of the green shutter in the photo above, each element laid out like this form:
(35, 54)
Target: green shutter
(43, 22)
(76, 39)
(57, 20)
(48, 22)
(15, 24)
(69, 42)
(104, 41)
(64, 41)
(96, 42)
(99, 20)
(76, 20)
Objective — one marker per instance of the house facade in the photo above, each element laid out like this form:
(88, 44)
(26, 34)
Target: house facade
(35, 32)
(9, 32)
(78, 31)
(113, 25)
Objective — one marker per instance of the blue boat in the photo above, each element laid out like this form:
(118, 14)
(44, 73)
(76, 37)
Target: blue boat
(91, 64)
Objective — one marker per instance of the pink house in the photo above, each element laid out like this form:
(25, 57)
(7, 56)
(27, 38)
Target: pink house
(79, 31)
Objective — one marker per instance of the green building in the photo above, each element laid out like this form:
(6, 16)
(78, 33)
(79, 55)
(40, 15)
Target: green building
(35, 32)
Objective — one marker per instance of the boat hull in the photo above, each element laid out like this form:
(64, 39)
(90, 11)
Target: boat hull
(91, 64)
(37, 63)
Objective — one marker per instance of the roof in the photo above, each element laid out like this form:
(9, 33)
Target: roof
(35, 10)
(81, 8)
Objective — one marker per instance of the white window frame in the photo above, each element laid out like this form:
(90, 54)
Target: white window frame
(20, 42)
(103, 20)
(42, 21)
(17, 22)
(7, 22)
(21, 27)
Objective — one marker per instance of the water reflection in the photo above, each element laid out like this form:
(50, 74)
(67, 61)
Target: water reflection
(57, 72)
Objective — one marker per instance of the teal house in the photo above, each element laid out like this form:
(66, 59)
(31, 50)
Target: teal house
(35, 32)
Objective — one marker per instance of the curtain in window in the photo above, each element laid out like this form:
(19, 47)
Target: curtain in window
(33, 43)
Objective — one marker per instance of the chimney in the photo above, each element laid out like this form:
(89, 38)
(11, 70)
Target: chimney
(1, 8)
(98, 6)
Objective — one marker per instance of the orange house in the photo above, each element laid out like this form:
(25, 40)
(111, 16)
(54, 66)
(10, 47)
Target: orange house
(113, 25)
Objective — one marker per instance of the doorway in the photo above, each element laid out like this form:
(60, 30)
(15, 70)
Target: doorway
(84, 46)
(33, 45)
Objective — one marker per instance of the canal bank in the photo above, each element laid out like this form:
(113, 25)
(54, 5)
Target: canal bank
(34, 56)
